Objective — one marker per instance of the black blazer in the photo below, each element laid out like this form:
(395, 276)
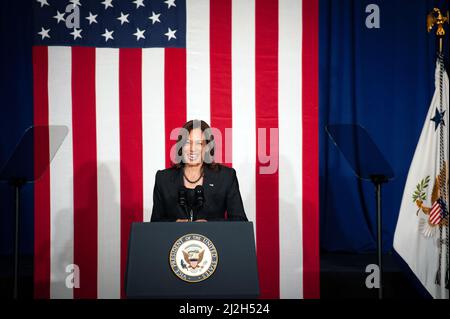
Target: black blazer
(221, 194)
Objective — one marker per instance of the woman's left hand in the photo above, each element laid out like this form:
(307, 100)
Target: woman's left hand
(201, 220)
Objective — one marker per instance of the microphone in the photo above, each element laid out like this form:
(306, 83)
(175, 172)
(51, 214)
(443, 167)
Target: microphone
(182, 199)
(199, 199)
(199, 196)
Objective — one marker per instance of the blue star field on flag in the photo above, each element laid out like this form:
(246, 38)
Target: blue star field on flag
(110, 23)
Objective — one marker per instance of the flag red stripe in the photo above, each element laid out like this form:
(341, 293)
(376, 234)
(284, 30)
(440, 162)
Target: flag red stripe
(310, 103)
(436, 220)
(266, 98)
(130, 112)
(435, 214)
(174, 94)
(220, 66)
(42, 186)
(85, 170)
(435, 207)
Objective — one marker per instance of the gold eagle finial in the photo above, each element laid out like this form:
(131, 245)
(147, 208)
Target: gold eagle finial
(435, 17)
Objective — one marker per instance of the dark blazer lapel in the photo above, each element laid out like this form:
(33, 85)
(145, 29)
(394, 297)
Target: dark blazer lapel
(177, 179)
(209, 182)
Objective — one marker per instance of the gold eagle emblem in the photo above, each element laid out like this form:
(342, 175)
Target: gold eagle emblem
(193, 258)
(436, 17)
(420, 196)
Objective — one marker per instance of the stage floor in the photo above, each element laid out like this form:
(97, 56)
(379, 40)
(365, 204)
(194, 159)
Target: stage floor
(342, 276)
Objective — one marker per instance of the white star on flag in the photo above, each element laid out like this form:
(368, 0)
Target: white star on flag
(43, 3)
(59, 16)
(139, 3)
(92, 18)
(170, 34)
(170, 3)
(44, 33)
(75, 3)
(123, 18)
(139, 34)
(154, 17)
(107, 4)
(76, 33)
(108, 35)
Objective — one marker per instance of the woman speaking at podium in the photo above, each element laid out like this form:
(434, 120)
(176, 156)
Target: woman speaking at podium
(196, 188)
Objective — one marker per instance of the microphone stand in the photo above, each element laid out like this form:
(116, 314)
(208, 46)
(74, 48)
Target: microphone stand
(182, 203)
(199, 200)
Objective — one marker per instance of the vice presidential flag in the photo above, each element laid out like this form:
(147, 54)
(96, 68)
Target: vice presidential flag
(122, 75)
(421, 236)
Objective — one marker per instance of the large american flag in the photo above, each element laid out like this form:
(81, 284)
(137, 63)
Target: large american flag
(121, 75)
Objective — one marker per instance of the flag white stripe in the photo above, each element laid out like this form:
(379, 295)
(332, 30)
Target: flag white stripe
(197, 60)
(153, 141)
(61, 171)
(290, 147)
(243, 101)
(434, 211)
(435, 220)
(435, 216)
(108, 172)
(435, 207)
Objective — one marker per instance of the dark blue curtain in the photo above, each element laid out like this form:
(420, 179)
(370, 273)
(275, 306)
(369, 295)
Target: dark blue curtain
(16, 113)
(382, 79)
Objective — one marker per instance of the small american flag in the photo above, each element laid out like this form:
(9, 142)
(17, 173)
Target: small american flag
(122, 75)
(438, 211)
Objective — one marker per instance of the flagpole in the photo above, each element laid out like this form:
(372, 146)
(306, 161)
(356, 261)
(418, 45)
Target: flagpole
(436, 18)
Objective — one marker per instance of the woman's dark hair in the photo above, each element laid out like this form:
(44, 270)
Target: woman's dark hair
(209, 139)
